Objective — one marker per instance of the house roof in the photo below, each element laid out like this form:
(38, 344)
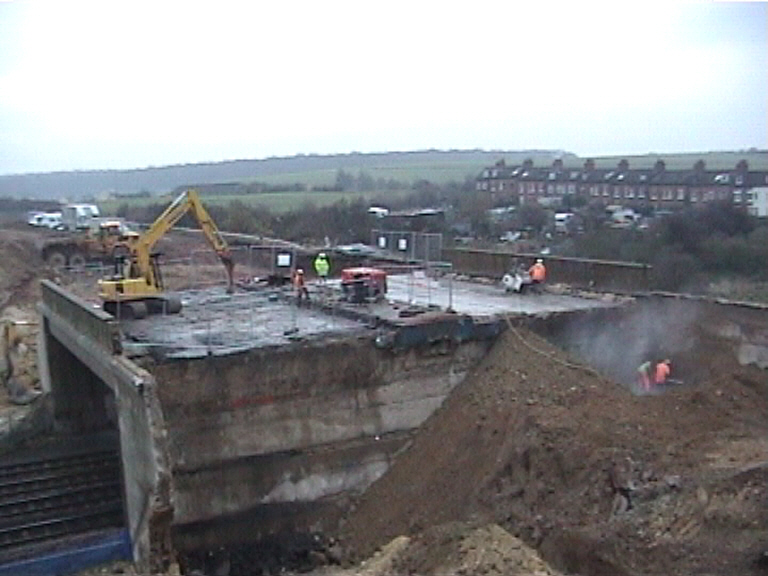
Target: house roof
(645, 176)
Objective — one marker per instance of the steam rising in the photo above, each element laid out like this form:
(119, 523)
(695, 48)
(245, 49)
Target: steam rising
(617, 344)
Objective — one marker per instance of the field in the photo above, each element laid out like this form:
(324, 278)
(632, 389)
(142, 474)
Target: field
(279, 202)
(437, 173)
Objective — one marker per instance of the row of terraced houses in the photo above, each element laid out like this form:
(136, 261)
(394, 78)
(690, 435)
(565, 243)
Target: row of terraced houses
(656, 187)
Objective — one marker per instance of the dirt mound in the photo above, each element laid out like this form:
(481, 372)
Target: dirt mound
(600, 481)
(451, 549)
(20, 268)
(457, 548)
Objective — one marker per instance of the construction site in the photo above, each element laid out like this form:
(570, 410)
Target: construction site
(437, 425)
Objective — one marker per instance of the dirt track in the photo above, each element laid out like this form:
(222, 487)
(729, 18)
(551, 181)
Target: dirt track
(534, 452)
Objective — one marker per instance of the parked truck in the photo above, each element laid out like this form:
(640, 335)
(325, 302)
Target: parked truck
(79, 216)
(103, 241)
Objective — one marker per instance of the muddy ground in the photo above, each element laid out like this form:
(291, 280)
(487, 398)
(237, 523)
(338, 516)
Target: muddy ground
(539, 465)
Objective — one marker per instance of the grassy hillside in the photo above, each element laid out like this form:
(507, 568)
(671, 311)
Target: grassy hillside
(404, 168)
(438, 166)
(275, 202)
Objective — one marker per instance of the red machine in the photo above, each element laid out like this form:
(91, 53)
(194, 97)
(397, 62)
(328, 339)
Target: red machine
(363, 283)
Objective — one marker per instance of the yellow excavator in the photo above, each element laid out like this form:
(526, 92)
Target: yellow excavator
(136, 289)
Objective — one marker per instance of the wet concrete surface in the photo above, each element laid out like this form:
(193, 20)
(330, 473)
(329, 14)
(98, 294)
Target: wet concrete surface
(213, 322)
(476, 299)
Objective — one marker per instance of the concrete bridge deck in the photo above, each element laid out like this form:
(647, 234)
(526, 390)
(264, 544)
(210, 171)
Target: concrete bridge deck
(213, 322)
(484, 299)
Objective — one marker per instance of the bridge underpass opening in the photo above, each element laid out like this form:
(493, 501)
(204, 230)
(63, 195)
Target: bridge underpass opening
(82, 402)
(61, 491)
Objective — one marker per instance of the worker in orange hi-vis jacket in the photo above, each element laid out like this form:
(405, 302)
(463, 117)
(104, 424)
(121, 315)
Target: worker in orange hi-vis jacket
(300, 286)
(662, 372)
(538, 272)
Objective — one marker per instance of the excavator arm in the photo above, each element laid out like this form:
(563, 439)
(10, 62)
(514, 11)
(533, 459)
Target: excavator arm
(187, 201)
(138, 288)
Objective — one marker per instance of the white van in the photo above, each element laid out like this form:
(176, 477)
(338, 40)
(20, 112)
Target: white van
(50, 220)
(79, 216)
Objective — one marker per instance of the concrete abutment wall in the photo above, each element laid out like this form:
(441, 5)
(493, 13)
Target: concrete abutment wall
(95, 388)
(82, 403)
(297, 428)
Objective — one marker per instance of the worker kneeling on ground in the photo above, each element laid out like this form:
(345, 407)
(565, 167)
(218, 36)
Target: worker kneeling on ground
(300, 286)
(538, 273)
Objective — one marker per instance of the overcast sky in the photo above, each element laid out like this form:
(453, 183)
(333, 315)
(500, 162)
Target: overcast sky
(129, 84)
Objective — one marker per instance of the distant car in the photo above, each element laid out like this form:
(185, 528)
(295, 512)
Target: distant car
(50, 220)
(378, 211)
(562, 221)
(510, 236)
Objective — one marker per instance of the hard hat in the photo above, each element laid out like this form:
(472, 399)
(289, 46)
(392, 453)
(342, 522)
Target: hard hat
(299, 271)
(539, 261)
(321, 255)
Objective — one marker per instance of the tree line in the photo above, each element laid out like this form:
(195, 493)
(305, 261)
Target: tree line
(689, 246)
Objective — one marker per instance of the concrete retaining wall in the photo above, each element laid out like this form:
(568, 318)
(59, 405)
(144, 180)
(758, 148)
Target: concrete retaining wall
(299, 426)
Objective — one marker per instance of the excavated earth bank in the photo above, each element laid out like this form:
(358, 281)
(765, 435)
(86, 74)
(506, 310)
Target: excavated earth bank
(600, 481)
